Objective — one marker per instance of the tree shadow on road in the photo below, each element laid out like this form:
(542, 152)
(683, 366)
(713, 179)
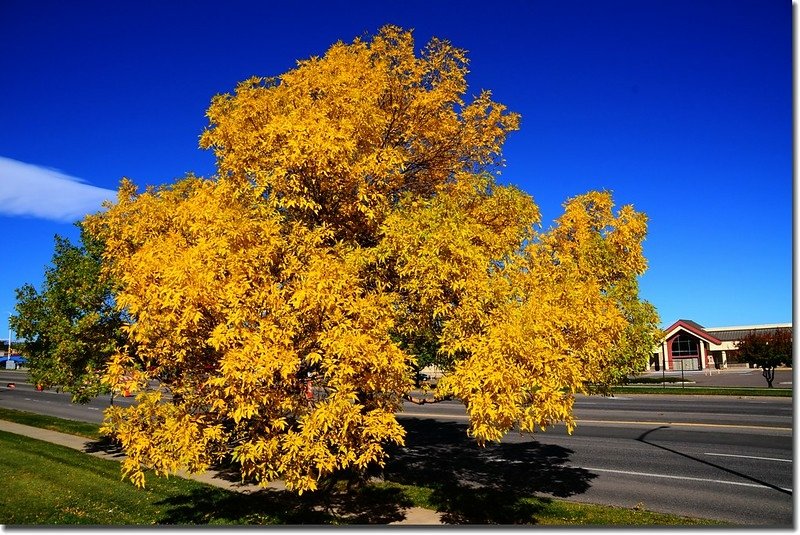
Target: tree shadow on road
(490, 485)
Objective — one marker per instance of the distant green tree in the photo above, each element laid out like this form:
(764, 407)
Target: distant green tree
(70, 328)
(632, 353)
(767, 351)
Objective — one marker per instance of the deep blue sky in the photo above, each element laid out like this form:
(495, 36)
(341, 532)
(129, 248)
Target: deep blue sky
(680, 107)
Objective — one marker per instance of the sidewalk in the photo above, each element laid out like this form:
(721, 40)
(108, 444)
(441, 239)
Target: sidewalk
(415, 516)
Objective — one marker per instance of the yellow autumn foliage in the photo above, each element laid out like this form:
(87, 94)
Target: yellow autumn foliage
(278, 309)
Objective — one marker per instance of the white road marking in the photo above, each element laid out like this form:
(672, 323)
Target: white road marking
(749, 457)
(684, 478)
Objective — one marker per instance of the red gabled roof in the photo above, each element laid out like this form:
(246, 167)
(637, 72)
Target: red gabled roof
(694, 328)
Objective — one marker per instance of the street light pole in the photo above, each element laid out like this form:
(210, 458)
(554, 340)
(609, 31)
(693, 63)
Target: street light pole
(8, 360)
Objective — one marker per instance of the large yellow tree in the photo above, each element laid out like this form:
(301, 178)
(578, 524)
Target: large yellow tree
(354, 224)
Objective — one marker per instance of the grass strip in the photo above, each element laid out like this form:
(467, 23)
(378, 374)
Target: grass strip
(72, 427)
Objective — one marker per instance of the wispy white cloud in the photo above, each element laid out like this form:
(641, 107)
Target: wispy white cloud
(27, 189)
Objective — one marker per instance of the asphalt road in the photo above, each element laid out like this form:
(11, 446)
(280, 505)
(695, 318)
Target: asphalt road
(727, 458)
(24, 396)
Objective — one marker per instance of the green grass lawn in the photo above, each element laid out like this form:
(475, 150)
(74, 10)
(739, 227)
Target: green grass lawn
(47, 484)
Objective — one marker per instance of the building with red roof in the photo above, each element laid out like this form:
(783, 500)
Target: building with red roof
(687, 345)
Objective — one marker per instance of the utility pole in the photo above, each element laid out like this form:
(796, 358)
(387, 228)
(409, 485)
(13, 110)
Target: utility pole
(8, 360)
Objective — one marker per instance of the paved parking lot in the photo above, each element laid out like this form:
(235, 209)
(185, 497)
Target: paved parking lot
(732, 377)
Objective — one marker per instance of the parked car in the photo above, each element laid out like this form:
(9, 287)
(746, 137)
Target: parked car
(16, 359)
